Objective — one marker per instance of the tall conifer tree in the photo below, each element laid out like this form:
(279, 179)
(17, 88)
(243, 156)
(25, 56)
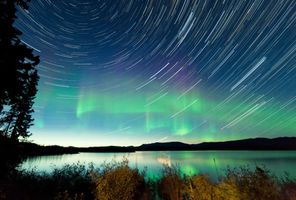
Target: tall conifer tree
(18, 74)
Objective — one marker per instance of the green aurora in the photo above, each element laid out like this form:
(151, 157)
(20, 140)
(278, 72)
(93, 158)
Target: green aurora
(172, 115)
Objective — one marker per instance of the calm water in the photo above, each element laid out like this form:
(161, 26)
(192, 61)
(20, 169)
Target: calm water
(213, 163)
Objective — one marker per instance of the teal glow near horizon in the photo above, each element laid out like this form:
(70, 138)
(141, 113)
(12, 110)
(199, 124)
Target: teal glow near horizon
(133, 72)
(148, 117)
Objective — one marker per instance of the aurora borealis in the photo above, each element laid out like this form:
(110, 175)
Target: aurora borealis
(140, 71)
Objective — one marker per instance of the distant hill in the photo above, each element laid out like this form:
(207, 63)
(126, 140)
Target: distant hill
(110, 149)
(281, 143)
(163, 146)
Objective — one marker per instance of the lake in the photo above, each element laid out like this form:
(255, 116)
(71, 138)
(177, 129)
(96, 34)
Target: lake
(213, 163)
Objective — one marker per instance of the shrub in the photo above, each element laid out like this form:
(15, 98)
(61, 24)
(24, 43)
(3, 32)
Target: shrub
(227, 190)
(171, 185)
(258, 184)
(288, 189)
(201, 188)
(119, 181)
(74, 179)
(71, 182)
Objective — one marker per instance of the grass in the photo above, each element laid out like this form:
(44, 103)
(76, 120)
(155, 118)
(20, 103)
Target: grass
(116, 180)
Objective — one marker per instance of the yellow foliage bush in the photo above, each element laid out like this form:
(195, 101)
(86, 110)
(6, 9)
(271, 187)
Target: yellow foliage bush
(256, 185)
(201, 188)
(171, 185)
(227, 190)
(120, 182)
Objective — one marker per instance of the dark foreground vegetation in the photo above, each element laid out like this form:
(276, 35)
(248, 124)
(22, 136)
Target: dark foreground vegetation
(119, 181)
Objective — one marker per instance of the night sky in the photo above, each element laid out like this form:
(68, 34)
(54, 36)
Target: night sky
(127, 72)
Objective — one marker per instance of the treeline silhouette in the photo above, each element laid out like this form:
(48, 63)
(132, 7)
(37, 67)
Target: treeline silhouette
(18, 87)
(19, 78)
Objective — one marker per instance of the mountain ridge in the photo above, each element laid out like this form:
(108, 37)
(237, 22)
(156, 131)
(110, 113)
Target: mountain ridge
(261, 143)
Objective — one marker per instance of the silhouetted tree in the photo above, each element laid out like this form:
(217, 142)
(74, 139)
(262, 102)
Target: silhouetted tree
(18, 74)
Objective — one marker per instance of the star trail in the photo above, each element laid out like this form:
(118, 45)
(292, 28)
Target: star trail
(140, 71)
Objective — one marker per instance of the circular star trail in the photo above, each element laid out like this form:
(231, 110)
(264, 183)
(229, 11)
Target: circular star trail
(139, 71)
